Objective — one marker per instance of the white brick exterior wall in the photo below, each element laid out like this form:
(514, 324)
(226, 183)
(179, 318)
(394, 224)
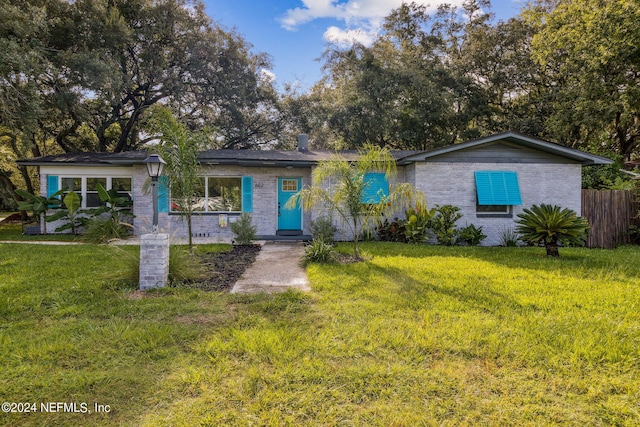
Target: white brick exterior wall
(442, 183)
(454, 184)
(265, 203)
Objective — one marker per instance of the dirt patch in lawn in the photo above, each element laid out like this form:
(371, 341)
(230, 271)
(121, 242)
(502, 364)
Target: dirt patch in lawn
(223, 269)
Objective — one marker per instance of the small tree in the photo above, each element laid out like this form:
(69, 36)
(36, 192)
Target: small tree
(348, 188)
(179, 147)
(551, 225)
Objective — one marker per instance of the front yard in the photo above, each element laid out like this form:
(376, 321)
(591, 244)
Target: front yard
(417, 335)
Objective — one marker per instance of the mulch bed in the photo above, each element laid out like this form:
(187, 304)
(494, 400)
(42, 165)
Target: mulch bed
(223, 269)
(15, 218)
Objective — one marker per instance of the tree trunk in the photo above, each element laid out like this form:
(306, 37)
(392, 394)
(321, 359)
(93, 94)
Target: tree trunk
(190, 233)
(356, 254)
(552, 249)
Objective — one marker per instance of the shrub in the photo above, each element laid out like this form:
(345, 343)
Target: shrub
(184, 266)
(319, 251)
(417, 223)
(102, 230)
(323, 229)
(393, 231)
(243, 231)
(509, 238)
(444, 224)
(551, 225)
(471, 235)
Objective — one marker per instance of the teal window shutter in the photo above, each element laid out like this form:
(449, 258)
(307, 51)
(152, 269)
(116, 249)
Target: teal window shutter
(247, 194)
(376, 187)
(497, 188)
(163, 194)
(52, 185)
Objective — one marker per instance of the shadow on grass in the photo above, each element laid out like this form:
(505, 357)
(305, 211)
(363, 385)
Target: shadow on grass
(416, 293)
(623, 262)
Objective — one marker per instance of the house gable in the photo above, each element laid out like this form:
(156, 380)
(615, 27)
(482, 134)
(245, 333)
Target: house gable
(504, 148)
(500, 152)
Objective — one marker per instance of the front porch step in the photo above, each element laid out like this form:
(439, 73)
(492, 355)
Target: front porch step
(299, 237)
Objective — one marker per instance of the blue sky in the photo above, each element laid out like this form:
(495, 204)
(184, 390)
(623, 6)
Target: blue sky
(296, 32)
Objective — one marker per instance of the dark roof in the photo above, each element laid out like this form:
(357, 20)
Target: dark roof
(287, 157)
(95, 159)
(311, 157)
(516, 138)
(237, 157)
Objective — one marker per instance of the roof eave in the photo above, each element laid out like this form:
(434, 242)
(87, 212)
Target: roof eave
(582, 157)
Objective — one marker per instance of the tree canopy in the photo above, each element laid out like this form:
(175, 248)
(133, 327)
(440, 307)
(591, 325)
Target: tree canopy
(80, 76)
(83, 76)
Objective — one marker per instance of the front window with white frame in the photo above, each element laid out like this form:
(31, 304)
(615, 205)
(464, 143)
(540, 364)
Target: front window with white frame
(215, 194)
(87, 188)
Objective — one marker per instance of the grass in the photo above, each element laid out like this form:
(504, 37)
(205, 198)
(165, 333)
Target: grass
(13, 232)
(416, 335)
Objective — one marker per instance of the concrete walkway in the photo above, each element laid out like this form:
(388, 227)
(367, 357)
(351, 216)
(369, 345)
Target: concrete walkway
(277, 269)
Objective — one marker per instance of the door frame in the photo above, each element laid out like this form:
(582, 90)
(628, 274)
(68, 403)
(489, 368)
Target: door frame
(278, 191)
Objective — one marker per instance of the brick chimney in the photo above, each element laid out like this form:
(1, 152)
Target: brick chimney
(303, 142)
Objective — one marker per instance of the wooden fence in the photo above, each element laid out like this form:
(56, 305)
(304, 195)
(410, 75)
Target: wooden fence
(610, 213)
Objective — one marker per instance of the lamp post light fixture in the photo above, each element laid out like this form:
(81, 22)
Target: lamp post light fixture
(155, 165)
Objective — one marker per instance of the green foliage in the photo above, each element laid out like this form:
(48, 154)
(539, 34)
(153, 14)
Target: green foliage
(184, 266)
(607, 177)
(103, 230)
(347, 188)
(634, 234)
(551, 225)
(443, 224)
(392, 231)
(39, 205)
(116, 206)
(417, 222)
(70, 212)
(560, 338)
(509, 238)
(323, 229)
(586, 47)
(244, 233)
(179, 149)
(115, 226)
(320, 251)
(471, 235)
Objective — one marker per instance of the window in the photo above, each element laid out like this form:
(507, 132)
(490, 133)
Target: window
(92, 198)
(216, 194)
(497, 192)
(499, 209)
(290, 185)
(123, 187)
(87, 187)
(377, 187)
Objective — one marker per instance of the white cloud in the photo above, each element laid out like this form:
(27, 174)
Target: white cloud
(362, 18)
(345, 38)
(267, 76)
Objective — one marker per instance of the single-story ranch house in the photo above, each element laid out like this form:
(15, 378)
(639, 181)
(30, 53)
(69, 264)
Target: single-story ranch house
(490, 179)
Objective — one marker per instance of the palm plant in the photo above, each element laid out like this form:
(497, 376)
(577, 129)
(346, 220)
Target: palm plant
(348, 188)
(551, 225)
(179, 147)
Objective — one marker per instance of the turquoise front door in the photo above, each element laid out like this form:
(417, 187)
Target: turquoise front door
(288, 219)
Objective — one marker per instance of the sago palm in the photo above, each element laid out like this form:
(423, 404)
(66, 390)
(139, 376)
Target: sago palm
(551, 225)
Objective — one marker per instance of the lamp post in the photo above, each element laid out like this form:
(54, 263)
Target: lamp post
(155, 165)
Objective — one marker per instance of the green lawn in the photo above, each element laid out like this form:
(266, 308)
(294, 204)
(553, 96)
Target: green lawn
(13, 232)
(414, 336)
